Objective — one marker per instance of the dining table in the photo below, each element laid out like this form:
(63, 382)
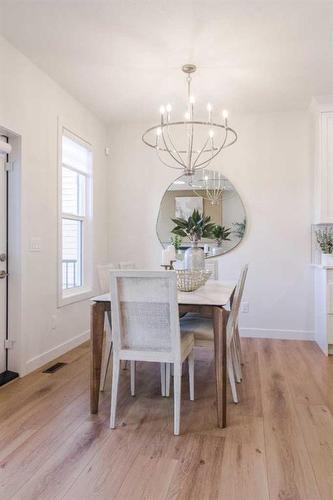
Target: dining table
(211, 300)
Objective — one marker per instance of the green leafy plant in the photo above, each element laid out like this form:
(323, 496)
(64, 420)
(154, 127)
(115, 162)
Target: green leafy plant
(239, 228)
(196, 227)
(325, 239)
(176, 241)
(221, 233)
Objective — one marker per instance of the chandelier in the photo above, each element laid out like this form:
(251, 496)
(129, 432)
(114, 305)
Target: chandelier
(189, 144)
(210, 186)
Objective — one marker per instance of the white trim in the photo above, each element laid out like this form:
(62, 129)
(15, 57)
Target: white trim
(269, 333)
(47, 356)
(85, 291)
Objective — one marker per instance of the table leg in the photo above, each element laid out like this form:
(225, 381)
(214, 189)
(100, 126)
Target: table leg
(220, 318)
(96, 346)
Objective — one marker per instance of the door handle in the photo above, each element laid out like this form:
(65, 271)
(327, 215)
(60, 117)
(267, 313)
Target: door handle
(3, 275)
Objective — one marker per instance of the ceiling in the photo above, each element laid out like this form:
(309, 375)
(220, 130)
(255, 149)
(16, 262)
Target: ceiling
(122, 58)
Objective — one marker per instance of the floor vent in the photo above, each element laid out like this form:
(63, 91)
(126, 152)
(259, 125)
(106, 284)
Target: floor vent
(54, 367)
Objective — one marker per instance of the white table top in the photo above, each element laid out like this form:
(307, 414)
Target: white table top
(213, 293)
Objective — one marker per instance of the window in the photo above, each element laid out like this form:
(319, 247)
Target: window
(75, 203)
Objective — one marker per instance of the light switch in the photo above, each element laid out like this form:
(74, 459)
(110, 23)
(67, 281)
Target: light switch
(35, 245)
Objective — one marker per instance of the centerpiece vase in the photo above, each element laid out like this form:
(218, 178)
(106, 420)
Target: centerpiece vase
(194, 258)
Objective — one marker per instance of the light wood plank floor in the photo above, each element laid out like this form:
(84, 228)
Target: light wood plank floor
(278, 443)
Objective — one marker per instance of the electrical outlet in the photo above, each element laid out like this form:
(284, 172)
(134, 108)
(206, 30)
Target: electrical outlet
(244, 307)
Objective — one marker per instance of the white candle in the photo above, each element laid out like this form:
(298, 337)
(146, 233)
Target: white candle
(165, 257)
(172, 252)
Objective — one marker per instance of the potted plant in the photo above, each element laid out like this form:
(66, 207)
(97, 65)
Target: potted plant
(196, 227)
(220, 234)
(325, 241)
(176, 241)
(239, 228)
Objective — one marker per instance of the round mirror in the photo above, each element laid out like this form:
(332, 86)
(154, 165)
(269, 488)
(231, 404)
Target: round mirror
(212, 195)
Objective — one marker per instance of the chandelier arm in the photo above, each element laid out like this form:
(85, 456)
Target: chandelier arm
(170, 153)
(172, 145)
(190, 152)
(164, 162)
(218, 151)
(200, 153)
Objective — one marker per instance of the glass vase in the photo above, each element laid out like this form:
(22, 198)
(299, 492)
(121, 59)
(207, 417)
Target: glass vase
(194, 258)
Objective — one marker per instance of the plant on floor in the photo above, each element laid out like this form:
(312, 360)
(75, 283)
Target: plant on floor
(220, 234)
(176, 241)
(196, 227)
(325, 240)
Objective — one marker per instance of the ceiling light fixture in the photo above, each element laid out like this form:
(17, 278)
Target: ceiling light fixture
(189, 144)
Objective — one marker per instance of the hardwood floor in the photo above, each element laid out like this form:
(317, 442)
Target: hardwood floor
(278, 443)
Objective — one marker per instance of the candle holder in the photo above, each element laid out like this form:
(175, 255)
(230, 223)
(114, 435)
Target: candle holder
(169, 267)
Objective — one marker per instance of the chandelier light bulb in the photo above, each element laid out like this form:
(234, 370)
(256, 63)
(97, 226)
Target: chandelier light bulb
(158, 131)
(168, 108)
(225, 114)
(211, 133)
(162, 110)
(187, 115)
(209, 107)
(192, 99)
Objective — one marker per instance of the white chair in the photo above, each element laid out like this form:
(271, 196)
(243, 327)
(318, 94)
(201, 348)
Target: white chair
(103, 272)
(146, 328)
(127, 265)
(202, 328)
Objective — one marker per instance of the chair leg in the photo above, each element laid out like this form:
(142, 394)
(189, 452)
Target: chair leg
(106, 361)
(177, 379)
(238, 346)
(236, 361)
(162, 366)
(191, 373)
(167, 379)
(133, 366)
(231, 376)
(114, 393)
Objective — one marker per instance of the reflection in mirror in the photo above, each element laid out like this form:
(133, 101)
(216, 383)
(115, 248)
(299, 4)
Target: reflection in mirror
(213, 195)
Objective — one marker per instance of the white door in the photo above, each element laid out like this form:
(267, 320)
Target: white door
(3, 266)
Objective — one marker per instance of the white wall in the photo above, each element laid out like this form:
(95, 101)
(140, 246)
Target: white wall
(270, 166)
(30, 103)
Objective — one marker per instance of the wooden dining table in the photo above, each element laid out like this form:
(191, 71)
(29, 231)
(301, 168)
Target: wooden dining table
(209, 300)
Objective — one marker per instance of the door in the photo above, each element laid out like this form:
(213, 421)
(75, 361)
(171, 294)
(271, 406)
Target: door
(3, 259)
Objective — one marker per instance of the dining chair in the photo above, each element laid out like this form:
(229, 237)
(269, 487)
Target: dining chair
(103, 272)
(202, 328)
(146, 328)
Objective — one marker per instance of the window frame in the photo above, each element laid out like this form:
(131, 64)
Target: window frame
(85, 291)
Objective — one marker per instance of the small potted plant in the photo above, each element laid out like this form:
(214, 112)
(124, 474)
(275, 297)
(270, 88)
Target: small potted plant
(196, 227)
(239, 228)
(325, 241)
(220, 234)
(176, 241)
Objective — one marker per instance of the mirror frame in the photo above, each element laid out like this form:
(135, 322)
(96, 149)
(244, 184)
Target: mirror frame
(245, 217)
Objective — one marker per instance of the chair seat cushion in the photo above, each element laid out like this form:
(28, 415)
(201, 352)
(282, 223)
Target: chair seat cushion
(201, 328)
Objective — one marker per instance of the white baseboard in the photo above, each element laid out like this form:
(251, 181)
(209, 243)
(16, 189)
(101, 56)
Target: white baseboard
(264, 333)
(40, 360)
